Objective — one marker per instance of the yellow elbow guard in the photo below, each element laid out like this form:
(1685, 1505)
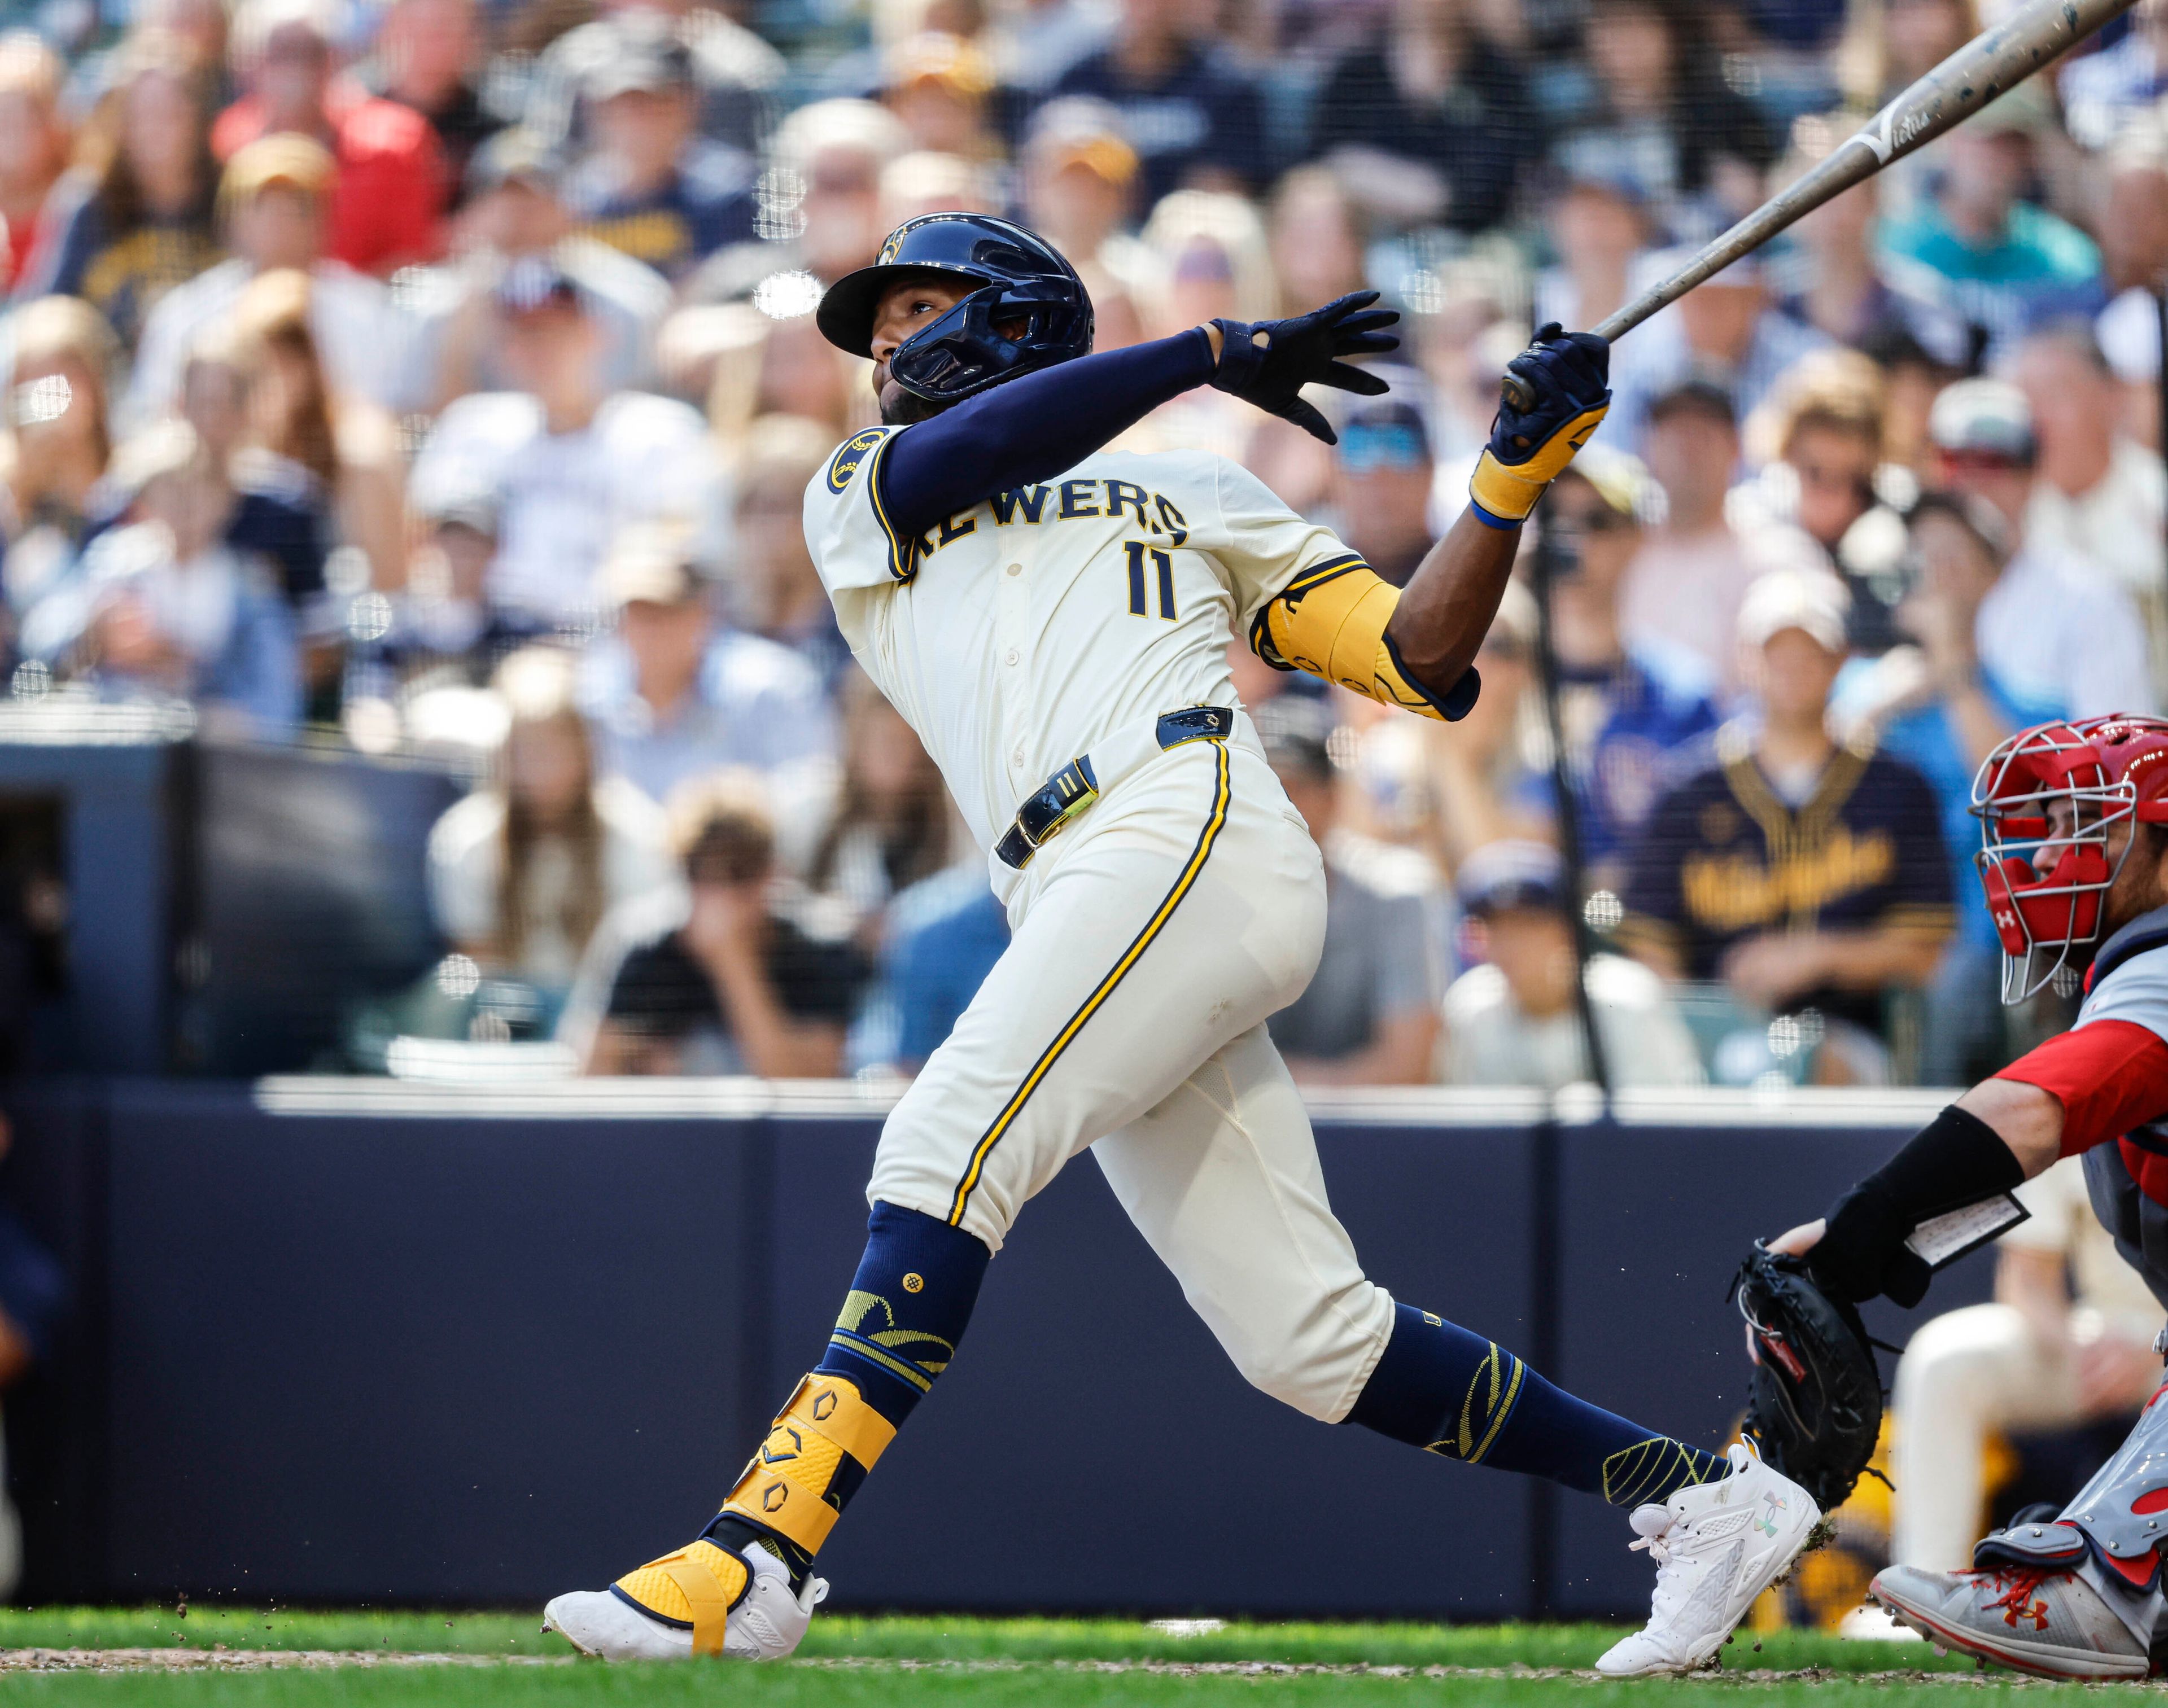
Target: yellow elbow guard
(1330, 621)
(1509, 490)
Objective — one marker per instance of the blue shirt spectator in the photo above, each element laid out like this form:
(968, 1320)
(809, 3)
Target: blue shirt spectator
(670, 696)
(944, 933)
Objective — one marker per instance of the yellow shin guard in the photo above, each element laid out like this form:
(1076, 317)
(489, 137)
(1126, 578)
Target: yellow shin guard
(824, 1441)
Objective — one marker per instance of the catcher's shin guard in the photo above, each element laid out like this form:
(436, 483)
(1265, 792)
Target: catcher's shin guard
(2110, 1535)
(817, 1452)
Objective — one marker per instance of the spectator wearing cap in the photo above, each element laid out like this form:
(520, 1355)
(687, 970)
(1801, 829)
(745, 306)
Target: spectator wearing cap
(2097, 493)
(1513, 1021)
(516, 210)
(1193, 119)
(1383, 471)
(568, 463)
(1976, 248)
(673, 694)
(2053, 630)
(939, 85)
(1637, 718)
(1727, 333)
(1802, 874)
(274, 201)
(164, 608)
(652, 187)
(836, 149)
(1431, 91)
(1684, 587)
(1078, 179)
(388, 201)
(736, 76)
(134, 218)
(1369, 1015)
(716, 978)
(428, 55)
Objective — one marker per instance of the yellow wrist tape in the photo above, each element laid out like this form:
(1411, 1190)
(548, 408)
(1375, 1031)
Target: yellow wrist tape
(1510, 491)
(826, 1439)
(1330, 621)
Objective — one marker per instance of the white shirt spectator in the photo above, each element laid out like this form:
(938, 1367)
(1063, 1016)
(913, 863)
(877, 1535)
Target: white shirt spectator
(2054, 631)
(361, 336)
(756, 705)
(1489, 1041)
(561, 498)
(2116, 525)
(1684, 595)
(466, 868)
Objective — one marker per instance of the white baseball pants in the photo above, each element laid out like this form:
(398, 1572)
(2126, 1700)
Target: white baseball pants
(1150, 939)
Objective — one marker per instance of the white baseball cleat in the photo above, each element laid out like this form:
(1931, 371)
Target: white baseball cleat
(767, 1625)
(1717, 1545)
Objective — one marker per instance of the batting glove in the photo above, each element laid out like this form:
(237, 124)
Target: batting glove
(1269, 362)
(1565, 377)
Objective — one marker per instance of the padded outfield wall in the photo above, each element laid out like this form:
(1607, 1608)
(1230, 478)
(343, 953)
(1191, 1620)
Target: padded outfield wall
(368, 1341)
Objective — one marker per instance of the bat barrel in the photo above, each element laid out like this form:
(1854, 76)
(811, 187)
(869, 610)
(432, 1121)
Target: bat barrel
(1985, 68)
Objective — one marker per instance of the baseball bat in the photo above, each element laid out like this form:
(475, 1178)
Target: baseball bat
(1990, 65)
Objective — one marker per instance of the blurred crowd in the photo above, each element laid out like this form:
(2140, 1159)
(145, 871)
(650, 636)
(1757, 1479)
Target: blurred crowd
(439, 377)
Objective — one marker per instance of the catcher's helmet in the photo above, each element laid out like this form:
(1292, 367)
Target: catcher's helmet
(2046, 871)
(1020, 277)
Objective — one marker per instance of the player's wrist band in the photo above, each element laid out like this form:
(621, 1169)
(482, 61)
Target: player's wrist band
(1488, 520)
(1956, 1159)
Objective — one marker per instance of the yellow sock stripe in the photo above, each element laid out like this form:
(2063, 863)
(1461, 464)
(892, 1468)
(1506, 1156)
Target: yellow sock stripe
(1504, 1408)
(1644, 1470)
(832, 1407)
(859, 1347)
(1142, 941)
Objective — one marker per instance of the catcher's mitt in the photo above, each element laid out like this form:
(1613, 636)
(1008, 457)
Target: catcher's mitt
(1817, 1395)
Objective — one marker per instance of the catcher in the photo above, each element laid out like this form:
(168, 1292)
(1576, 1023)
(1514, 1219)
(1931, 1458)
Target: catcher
(2075, 864)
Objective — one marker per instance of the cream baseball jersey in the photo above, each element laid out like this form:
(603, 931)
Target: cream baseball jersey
(1016, 634)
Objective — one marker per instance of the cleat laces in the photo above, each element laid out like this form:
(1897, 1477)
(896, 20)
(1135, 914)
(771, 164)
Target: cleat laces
(2018, 1584)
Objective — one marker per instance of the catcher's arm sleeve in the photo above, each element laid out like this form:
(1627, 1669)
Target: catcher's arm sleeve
(1956, 1158)
(1331, 622)
(2109, 1075)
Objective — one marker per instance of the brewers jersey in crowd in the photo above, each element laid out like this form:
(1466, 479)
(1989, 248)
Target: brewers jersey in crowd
(1016, 635)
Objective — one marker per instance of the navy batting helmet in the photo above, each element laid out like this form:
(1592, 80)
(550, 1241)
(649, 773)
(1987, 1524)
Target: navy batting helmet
(1020, 277)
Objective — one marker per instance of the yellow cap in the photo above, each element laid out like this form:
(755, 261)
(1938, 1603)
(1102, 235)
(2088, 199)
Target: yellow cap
(286, 157)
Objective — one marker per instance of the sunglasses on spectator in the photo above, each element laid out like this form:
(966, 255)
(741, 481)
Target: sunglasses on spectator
(1364, 450)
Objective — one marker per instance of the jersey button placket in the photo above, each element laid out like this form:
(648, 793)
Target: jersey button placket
(1012, 626)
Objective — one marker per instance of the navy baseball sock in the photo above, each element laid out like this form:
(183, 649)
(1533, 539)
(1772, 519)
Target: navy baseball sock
(906, 1310)
(1454, 1393)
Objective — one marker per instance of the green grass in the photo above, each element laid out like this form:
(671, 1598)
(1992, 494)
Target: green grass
(983, 1663)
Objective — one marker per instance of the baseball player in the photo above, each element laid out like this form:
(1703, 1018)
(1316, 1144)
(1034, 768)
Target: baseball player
(2074, 865)
(1053, 619)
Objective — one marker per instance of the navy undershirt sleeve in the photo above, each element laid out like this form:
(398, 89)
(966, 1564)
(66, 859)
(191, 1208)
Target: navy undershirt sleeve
(1033, 427)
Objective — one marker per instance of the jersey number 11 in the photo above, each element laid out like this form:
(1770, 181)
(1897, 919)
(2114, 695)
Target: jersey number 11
(1164, 563)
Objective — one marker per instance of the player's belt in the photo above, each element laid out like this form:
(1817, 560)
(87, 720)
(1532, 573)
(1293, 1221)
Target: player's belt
(1046, 814)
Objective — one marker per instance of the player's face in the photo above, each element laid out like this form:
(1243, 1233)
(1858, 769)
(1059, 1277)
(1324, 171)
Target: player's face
(906, 308)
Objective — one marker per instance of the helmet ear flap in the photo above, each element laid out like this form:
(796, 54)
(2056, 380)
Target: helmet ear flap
(2001, 880)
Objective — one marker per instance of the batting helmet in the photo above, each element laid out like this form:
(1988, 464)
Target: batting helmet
(2046, 798)
(1018, 276)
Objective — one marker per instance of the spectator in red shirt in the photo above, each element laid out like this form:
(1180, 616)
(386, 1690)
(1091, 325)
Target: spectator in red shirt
(34, 149)
(389, 207)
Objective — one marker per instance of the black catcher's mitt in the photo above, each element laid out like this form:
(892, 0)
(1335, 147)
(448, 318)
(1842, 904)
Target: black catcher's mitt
(1817, 1403)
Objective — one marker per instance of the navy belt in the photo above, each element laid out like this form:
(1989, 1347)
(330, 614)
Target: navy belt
(1045, 813)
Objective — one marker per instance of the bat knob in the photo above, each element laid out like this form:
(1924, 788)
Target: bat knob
(1518, 395)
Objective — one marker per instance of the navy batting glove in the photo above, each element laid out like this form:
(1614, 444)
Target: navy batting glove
(1267, 364)
(1562, 384)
